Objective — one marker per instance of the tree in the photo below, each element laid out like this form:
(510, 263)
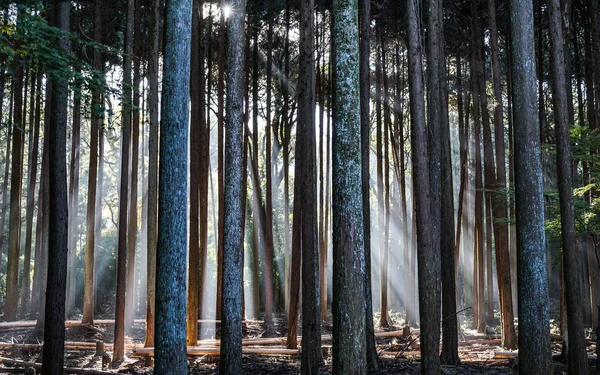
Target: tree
(119, 341)
(171, 353)
(427, 250)
(54, 332)
(231, 325)
(365, 127)
(90, 235)
(577, 356)
(535, 355)
(311, 322)
(349, 349)
(16, 181)
(152, 172)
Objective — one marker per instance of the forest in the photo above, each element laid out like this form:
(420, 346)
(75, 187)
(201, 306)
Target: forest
(300, 186)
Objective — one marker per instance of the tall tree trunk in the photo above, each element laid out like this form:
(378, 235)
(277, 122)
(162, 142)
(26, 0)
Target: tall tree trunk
(197, 120)
(429, 291)
(54, 332)
(134, 164)
(16, 181)
(349, 350)
(231, 344)
(311, 322)
(577, 360)
(171, 353)
(499, 201)
(95, 124)
(220, 172)
(365, 129)
(153, 88)
(268, 188)
(384, 258)
(119, 340)
(35, 119)
(73, 201)
(535, 355)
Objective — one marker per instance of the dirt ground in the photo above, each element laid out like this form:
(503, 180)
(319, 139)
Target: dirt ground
(398, 355)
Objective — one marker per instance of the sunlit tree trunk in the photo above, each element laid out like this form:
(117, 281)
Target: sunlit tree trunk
(95, 124)
(35, 119)
(119, 336)
(153, 88)
(73, 201)
(231, 344)
(134, 164)
(535, 355)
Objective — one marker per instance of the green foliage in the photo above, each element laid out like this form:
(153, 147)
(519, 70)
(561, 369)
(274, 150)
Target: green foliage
(34, 44)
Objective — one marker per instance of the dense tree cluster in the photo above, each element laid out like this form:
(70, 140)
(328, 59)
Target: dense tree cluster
(191, 160)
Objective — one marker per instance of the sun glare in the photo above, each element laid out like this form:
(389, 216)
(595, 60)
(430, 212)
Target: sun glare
(226, 11)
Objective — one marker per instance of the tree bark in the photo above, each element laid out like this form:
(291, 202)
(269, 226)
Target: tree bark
(54, 332)
(577, 356)
(119, 336)
(231, 353)
(535, 356)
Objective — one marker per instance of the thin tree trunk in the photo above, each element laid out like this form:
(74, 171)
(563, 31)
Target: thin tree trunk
(365, 128)
(578, 363)
(31, 183)
(119, 335)
(384, 258)
(499, 202)
(134, 165)
(90, 234)
(153, 89)
(16, 180)
(220, 172)
(73, 202)
(196, 128)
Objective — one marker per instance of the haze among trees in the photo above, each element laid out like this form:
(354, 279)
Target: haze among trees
(344, 186)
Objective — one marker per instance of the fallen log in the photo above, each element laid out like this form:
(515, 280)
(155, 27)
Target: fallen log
(198, 351)
(67, 370)
(77, 323)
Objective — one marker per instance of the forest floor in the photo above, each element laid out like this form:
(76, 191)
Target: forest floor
(479, 353)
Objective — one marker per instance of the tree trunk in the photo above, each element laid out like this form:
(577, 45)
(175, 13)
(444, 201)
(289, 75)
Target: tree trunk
(54, 332)
(577, 356)
(133, 185)
(499, 202)
(311, 322)
(231, 344)
(365, 129)
(197, 120)
(349, 350)
(119, 338)
(16, 181)
(35, 119)
(97, 115)
(268, 187)
(535, 356)
(171, 355)
(220, 130)
(73, 201)
(153, 89)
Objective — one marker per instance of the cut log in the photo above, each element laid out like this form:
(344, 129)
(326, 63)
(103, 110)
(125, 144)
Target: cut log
(38, 366)
(199, 350)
